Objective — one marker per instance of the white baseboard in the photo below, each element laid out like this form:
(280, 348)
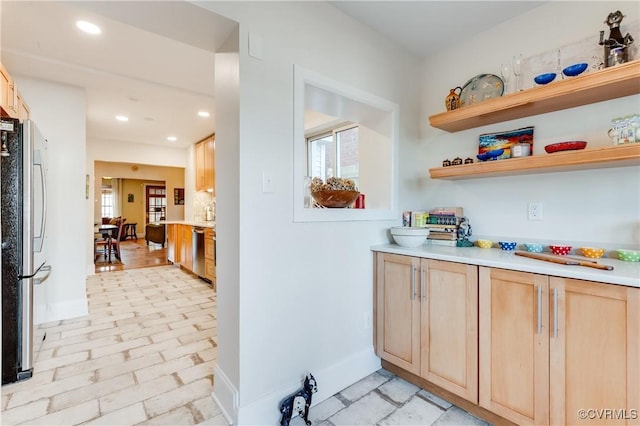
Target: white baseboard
(331, 380)
(66, 310)
(225, 395)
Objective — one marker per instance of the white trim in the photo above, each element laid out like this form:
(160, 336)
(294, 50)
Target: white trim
(331, 380)
(225, 395)
(302, 77)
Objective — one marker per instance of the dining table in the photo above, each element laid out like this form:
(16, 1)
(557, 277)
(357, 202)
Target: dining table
(104, 231)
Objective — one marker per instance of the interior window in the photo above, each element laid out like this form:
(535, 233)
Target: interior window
(107, 201)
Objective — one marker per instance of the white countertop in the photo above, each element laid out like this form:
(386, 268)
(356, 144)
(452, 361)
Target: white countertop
(201, 224)
(623, 273)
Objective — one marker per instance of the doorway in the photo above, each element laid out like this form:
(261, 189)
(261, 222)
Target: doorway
(155, 204)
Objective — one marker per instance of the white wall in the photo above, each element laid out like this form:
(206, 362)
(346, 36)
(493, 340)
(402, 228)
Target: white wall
(64, 128)
(303, 289)
(600, 207)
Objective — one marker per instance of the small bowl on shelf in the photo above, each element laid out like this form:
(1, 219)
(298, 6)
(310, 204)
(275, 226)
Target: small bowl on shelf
(629, 255)
(560, 250)
(575, 69)
(592, 252)
(490, 155)
(533, 247)
(409, 236)
(565, 146)
(507, 245)
(484, 243)
(545, 78)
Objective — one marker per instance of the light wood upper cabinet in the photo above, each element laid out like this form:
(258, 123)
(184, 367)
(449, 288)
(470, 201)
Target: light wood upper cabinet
(8, 94)
(449, 326)
(514, 345)
(398, 311)
(205, 169)
(594, 352)
(609, 83)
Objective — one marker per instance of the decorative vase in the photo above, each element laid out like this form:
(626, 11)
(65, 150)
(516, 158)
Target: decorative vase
(453, 99)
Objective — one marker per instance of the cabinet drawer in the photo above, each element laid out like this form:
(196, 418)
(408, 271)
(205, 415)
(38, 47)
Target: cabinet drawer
(209, 248)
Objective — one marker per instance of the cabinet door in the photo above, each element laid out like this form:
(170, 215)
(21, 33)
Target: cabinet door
(209, 169)
(171, 242)
(594, 352)
(8, 95)
(23, 109)
(449, 326)
(200, 155)
(514, 345)
(186, 259)
(398, 311)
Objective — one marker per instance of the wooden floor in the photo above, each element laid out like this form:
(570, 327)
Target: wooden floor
(135, 254)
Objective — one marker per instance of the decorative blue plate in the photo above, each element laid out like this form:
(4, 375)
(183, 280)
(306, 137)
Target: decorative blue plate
(545, 78)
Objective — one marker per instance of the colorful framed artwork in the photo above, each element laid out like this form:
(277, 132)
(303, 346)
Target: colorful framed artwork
(504, 141)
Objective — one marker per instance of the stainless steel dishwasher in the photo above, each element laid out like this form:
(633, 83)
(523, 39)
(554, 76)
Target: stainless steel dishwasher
(198, 251)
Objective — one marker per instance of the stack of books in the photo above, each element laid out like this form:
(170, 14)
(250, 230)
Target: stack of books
(443, 225)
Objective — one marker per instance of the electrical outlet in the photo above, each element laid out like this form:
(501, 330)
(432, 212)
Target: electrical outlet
(368, 320)
(535, 210)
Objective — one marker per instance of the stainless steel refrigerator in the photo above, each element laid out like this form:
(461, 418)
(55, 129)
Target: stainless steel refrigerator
(23, 232)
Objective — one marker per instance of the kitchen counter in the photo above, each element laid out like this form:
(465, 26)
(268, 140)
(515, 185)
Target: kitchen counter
(623, 273)
(201, 223)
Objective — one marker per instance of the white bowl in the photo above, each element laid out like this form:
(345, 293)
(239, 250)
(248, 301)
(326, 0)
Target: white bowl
(407, 236)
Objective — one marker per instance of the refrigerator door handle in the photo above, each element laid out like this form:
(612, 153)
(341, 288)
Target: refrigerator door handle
(40, 280)
(43, 199)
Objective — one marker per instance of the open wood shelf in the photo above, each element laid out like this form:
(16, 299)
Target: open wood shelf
(597, 158)
(591, 87)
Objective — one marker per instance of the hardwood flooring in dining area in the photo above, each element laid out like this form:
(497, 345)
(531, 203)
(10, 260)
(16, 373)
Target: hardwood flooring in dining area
(135, 254)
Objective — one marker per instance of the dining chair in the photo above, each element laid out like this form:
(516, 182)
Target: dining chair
(116, 235)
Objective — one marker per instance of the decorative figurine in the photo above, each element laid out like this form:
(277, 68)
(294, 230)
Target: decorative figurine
(464, 232)
(453, 99)
(298, 403)
(615, 47)
(468, 160)
(446, 163)
(456, 161)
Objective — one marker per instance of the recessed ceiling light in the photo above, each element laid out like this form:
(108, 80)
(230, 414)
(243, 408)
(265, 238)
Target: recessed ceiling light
(172, 138)
(122, 118)
(88, 27)
(203, 113)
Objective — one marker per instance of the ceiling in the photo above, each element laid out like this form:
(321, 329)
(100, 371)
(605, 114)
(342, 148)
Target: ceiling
(159, 70)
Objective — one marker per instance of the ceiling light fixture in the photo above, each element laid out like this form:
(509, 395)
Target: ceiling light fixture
(88, 27)
(172, 138)
(122, 118)
(204, 113)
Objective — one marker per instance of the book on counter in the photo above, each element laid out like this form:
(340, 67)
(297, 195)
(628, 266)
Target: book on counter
(442, 235)
(447, 211)
(449, 243)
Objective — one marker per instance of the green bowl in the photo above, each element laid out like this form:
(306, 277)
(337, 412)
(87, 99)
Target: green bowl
(629, 255)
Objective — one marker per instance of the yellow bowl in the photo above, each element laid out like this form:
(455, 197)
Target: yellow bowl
(484, 243)
(594, 253)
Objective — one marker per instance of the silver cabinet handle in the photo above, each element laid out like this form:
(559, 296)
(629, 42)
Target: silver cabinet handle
(422, 289)
(540, 309)
(555, 312)
(413, 284)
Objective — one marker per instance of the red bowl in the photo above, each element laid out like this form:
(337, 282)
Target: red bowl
(565, 146)
(561, 250)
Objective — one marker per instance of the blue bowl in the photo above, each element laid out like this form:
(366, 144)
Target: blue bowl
(533, 247)
(575, 69)
(495, 153)
(507, 245)
(545, 78)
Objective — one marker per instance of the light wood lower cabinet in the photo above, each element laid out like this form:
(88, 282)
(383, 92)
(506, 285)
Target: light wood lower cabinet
(186, 247)
(426, 320)
(550, 347)
(171, 242)
(594, 352)
(210, 256)
(514, 345)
